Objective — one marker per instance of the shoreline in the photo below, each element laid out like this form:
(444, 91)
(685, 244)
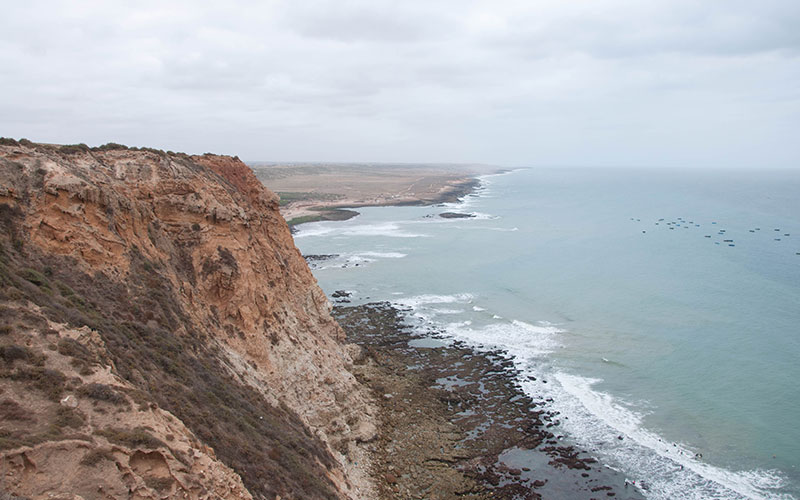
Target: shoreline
(337, 210)
(455, 423)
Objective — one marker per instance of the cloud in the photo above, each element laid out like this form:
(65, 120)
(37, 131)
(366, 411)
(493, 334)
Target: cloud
(512, 82)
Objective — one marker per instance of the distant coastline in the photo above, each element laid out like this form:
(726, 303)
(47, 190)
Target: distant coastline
(330, 192)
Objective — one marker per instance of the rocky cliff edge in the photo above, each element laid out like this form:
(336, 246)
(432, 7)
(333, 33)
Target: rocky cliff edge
(162, 337)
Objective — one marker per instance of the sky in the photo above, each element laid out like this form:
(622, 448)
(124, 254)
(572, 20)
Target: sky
(676, 83)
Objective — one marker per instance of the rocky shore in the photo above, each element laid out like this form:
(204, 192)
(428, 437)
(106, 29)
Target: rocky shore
(455, 424)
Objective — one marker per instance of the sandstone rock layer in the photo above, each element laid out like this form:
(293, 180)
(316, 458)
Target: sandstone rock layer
(160, 298)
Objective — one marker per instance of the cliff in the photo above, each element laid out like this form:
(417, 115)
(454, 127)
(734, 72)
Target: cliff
(161, 336)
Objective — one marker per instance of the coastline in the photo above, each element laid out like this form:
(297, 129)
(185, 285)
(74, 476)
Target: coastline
(454, 422)
(666, 468)
(339, 210)
(312, 192)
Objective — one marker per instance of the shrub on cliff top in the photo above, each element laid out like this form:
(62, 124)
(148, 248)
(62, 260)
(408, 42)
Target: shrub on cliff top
(74, 148)
(111, 146)
(7, 141)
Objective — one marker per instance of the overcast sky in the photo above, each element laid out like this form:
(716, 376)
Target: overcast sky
(596, 82)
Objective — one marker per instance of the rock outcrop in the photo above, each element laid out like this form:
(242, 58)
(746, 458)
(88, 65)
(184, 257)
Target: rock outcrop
(161, 335)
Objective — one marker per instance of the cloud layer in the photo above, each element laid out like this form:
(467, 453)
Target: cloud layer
(594, 82)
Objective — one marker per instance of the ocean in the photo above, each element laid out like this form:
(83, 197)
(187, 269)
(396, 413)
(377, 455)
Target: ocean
(658, 308)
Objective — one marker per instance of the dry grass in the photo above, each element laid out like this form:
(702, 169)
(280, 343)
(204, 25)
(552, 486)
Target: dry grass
(270, 448)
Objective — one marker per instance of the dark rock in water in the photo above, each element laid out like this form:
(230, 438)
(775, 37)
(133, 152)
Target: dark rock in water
(319, 257)
(340, 294)
(458, 421)
(455, 215)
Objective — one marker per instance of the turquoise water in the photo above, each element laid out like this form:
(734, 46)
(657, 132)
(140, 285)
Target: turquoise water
(643, 328)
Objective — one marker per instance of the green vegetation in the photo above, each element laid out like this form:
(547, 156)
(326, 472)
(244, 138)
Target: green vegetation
(51, 382)
(68, 417)
(94, 457)
(287, 197)
(11, 410)
(132, 438)
(74, 148)
(103, 392)
(14, 439)
(181, 373)
(111, 146)
(159, 483)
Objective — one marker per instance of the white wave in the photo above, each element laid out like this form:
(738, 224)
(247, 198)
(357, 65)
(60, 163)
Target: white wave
(420, 300)
(448, 311)
(521, 339)
(596, 419)
(312, 229)
(389, 229)
(478, 309)
(483, 216)
(382, 255)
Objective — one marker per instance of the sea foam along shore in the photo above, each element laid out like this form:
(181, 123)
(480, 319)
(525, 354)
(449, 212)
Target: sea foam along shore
(589, 419)
(455, 423)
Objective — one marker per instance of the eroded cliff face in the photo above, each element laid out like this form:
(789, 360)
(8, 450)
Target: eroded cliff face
(158, 301)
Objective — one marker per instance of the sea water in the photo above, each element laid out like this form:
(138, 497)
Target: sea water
(672, 354)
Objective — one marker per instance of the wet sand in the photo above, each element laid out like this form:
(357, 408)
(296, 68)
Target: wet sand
(456, 424)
